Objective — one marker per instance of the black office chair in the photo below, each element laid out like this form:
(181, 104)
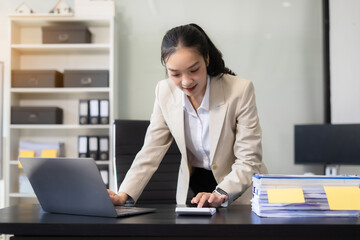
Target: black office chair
(129, 138)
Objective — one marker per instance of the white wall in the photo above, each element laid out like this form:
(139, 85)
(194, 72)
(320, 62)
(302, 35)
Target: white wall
(344, 65)
(1, 134)
(345, 61)
(275, 43)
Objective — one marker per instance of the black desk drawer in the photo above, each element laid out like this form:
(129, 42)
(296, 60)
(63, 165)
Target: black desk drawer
(66, 34)
(86, 78)
(36, 78)
(36, 115)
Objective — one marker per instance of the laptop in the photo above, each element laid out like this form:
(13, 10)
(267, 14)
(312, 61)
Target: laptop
(73, 186)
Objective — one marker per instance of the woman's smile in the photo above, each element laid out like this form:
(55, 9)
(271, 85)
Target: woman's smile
(190, 89)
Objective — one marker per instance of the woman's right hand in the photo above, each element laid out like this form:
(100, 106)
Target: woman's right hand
(118, 199)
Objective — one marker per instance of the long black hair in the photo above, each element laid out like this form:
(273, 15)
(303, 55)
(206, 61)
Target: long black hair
(192, 35)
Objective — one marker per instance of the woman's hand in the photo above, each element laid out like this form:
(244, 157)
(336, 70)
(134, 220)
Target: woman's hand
(118, 199)
(205, 199)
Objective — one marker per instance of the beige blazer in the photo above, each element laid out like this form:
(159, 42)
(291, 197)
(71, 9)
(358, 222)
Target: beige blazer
(235, 139)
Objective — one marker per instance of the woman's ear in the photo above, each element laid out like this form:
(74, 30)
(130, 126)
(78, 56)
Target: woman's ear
(207, 60)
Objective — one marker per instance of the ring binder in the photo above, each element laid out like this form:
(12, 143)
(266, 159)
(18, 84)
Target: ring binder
(94, 111)
(94, 147)
(83, 112)
(103, 148)
(104, 111)
(83, 146)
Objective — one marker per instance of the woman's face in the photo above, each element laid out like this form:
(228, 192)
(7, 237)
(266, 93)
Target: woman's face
(187, 69)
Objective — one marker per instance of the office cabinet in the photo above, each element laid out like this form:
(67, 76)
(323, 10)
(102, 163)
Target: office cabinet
(28, 52)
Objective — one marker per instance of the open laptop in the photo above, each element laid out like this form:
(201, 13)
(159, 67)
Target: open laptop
(73, 186)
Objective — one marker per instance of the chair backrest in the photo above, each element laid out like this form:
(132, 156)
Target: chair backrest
(129, 138)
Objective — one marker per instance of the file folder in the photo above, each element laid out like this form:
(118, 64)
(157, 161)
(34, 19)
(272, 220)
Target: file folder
(25, 153)
(103, 148)
(305, 195)
(94, 147)
(84, 112)
(49, 153)
(38, 147)
(104, 172)
(83, 147)
(104, 111)
(94, 111)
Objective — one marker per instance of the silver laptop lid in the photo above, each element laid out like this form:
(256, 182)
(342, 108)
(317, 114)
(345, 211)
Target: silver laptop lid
(69, 185)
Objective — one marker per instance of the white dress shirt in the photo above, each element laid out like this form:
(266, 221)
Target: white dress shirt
(197, 131)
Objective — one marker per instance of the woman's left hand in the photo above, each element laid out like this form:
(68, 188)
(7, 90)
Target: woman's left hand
(205, 199)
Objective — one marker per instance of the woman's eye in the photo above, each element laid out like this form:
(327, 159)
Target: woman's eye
(194, 71)
(175, 75)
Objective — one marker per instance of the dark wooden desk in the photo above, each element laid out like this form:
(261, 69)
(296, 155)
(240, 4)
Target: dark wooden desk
(235, 222)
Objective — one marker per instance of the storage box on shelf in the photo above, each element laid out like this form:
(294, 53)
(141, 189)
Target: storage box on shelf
(66, 34)
(36, 115)
(27, 55)
(36, 78)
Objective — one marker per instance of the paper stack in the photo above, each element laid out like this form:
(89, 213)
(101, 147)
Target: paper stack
(306, 196)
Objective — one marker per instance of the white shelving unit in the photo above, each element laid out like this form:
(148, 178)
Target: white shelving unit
(27, 52)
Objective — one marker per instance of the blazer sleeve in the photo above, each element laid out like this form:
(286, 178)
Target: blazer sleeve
(157, 141)
(247, 147)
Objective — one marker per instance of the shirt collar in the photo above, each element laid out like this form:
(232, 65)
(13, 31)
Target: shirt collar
(205, 102)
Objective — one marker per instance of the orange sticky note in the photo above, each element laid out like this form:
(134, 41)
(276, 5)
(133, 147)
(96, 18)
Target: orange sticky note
(49, 153)
(25, 153)
(343, 198)
(286, 195)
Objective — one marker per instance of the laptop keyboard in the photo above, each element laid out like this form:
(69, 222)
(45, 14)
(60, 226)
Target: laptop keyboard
(126, 211)
(123, 210)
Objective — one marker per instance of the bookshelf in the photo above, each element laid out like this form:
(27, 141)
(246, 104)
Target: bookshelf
(27, 52)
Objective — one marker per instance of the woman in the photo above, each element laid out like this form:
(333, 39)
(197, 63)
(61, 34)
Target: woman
(212, 116)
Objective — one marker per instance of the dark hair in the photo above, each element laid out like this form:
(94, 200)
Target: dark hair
(192, 35)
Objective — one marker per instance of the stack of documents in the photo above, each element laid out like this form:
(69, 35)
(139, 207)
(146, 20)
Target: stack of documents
(305, 196)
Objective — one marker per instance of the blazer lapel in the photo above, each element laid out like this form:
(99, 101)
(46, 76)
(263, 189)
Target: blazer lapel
(177, 119)
(218, 110)
(176, 125)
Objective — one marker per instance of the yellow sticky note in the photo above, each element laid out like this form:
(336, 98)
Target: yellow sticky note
(343, 198)
(286, 195)
(25, 153)
(49, 153)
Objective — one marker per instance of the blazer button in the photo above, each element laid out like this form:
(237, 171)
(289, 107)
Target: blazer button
(214, 166)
